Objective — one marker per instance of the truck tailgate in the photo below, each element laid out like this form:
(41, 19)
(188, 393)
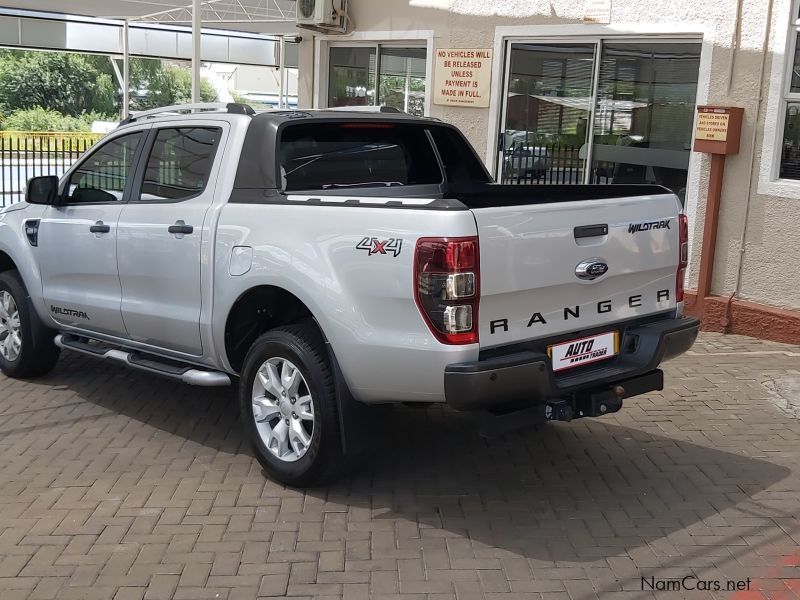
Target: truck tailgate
(530, 253)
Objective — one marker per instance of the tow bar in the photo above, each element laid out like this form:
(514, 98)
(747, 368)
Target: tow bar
(570, 407)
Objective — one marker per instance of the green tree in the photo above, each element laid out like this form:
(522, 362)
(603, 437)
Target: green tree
(156, 85)
(70, 84)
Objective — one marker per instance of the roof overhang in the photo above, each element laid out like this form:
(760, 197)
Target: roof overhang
(268, 17)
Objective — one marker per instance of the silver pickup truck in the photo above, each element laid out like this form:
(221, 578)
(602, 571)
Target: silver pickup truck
(330, 260)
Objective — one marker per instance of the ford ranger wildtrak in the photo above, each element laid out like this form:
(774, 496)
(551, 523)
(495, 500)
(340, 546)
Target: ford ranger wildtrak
(328, 260)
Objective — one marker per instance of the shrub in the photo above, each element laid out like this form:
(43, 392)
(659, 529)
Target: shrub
(42, 119)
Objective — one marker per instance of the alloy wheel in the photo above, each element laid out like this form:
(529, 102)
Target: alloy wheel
(283, 409)
(10, 328)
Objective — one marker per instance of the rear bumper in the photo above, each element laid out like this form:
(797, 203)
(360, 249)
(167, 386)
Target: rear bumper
(526, 378)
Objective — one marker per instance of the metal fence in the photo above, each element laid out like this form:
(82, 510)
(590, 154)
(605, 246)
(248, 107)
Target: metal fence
(553, 164)
(543, 164)
(26, 154)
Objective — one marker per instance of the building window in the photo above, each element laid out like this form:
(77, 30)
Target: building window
(378, 76)
(790, 148)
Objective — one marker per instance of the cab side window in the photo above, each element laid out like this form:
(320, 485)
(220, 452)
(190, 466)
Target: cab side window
(103, 175)
(179, 164)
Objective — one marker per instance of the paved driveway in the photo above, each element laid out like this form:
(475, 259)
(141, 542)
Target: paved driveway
(120, 485)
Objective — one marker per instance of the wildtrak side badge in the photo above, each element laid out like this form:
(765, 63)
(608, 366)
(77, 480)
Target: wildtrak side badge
(68, 312)
(635, 227)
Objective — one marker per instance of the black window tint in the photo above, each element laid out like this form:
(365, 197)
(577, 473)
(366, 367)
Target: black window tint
(461, 164)
(180, 163)
(332, 156)
(102, 176)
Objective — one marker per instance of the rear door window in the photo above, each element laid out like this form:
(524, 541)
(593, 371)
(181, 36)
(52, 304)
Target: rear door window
(179, 164)
(331, 156)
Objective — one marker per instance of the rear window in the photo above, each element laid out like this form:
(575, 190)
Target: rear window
(329, 156)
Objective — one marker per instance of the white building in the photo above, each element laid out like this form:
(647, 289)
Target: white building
(609, 97)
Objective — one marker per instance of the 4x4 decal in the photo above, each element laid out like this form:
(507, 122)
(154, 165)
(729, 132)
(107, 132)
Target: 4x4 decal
(373, 245)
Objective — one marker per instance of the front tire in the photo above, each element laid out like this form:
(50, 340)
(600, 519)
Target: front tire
(26, 345)
(288, 405)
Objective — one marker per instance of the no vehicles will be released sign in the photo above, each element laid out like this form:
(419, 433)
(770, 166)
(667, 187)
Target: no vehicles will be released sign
(463, 77)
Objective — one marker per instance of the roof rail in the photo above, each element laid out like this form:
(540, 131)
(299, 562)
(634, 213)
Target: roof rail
(368, 109)
(230, 107)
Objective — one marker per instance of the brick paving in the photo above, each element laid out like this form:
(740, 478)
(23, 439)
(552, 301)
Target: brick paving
(122, 486)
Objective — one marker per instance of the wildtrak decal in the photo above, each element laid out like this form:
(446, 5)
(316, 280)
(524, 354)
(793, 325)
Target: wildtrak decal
(635, 227)
(68, 312)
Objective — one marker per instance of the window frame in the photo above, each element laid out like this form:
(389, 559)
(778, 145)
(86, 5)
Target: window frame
(378, 46)
(146, 152)
(397, 39)
(599, 40)
(143, 134)
(787, 96)
(782, 43)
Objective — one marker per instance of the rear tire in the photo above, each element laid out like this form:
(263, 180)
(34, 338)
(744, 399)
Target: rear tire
(288, 405)
(27, 349)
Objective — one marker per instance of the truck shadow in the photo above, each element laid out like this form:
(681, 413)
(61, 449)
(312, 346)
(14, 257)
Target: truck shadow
(576, 492)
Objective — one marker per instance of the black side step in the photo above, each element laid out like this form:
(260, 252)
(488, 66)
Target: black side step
(144, 362)
(168, 368)
(83, 345)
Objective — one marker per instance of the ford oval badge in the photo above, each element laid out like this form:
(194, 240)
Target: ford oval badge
(591, 268)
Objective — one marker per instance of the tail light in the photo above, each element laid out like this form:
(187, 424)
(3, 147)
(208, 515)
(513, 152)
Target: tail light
(447, 287)
(683, 255)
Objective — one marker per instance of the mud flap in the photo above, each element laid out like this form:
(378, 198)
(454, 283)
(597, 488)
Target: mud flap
(355, 418)
(40, 332)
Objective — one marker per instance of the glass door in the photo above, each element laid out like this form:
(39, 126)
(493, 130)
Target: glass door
(644, 110)
(599, 112)
(547, 113)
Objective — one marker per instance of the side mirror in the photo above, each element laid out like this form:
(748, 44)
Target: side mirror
(42, 190)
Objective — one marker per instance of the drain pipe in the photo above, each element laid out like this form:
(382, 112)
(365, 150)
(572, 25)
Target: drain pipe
(726, 323)
(737, 29)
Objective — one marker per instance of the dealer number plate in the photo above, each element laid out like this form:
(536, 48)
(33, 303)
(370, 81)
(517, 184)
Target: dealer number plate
(584, 351)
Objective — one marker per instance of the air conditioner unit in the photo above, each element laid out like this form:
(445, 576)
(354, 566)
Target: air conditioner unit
(319, 13)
